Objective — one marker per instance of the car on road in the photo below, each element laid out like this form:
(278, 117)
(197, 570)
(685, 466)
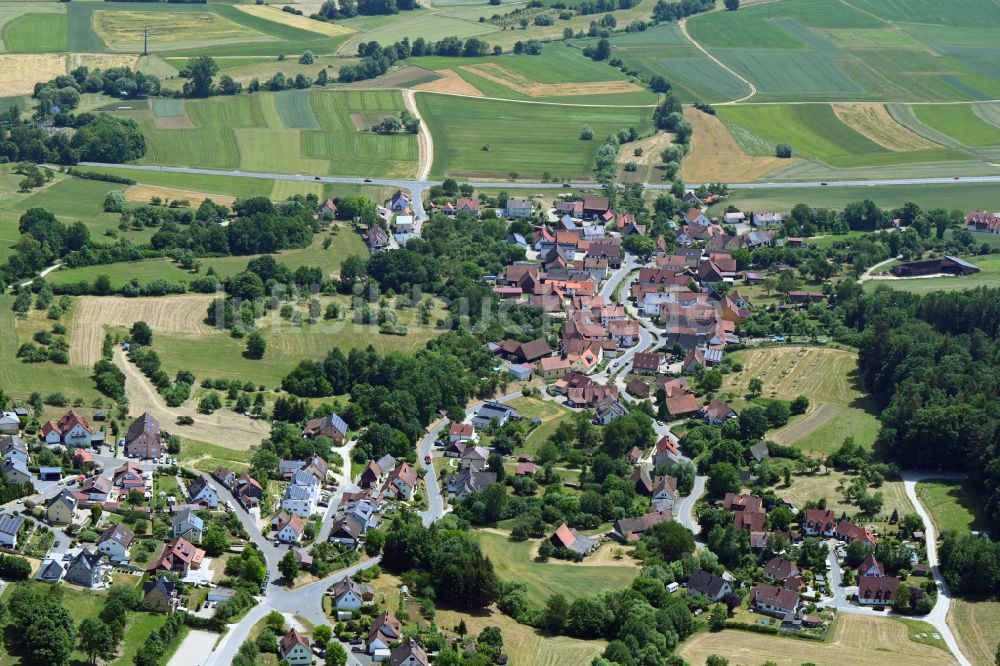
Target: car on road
(427, 459)
(824, 183)
(57, 544)
(20, 501)
(567, 185)
(368, 180)
(315, 177)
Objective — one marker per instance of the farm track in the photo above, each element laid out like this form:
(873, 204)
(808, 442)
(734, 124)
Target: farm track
(223, 427)
(424, 139)
(682, 24)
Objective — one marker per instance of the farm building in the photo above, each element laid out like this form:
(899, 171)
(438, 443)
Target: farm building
(949, 265)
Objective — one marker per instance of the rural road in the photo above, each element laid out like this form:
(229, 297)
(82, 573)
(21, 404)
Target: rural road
(423, 184)
(870, 273)
(424, 139)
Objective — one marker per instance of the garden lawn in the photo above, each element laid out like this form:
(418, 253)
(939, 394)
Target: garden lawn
(527, 139)
(953, 505)
(551, 414)
(513, 562)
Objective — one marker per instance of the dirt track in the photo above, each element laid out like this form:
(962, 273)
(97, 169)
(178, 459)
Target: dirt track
(181, 315)
(223, 427)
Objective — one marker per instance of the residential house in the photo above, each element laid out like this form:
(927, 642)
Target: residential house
(695, 217)
(10, 424)
(408, 653)
(683, 405)
(870, 567)
(819, 522)
(757, 452)
(489, 411)
(765, 219)
(13, 447)
(474, 458)
(712, 586)
(50, 571)
(295, 649)
(326, 210)
(402, 481)
(462, 433)
(351, 595)
(62, 509)
(572, 540)
(637, 388)
(116, 543)
(10, 525)
(850, 532)
(646, 363)
(318, 467)
(376, 238)
(331, 426)
(186, 523)
(518, 208)
(385, 630)
(399, 203)
(632, 529)
(664, 492)
(778, 569)
(642, 480)
(347, 531)
(748, 511)
(128, 476)
(608, 411)
(72, 430)
(15, 471)
(525, 352)
(143, 439)
(248, 491)
(201, 491)
(288, 468)
(180, 557)
(467, 206)
(292, 530)
(85, 569)
(83, 459)
(466, 481)
(877, 590)
(160, 595)
(982, 222)
(370, 476)
(595, 207)
(774, 601)
(717, 412)
(301, 497)
(666, 452)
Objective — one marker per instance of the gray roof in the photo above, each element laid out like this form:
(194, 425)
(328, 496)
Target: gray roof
(12, 443)
(10, 524)
(705, 583)
(50, 570)
(303, 478)
(961, 262)
(16, 463)
(295, 492)
(189, 516)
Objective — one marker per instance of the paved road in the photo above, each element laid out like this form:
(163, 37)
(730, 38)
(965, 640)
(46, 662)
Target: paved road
(421, 185)
(685, 508)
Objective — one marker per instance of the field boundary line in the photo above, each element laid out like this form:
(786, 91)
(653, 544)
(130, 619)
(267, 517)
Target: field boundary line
(682, 24)
(425, 142)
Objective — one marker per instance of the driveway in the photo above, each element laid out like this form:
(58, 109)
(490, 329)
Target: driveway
(195, 649)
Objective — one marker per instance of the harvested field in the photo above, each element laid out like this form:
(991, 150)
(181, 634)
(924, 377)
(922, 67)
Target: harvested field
(181, 315)
(716, 157)
(976, 625)
(19, 73)
(861, 641)
(525, 86)
(101, 61)
(223, 427)
(450, 82)
(122, 30)
(293, 20)
(143, 193)
(874, 122)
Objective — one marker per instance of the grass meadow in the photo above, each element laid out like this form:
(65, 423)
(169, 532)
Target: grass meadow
(838, 407)
(976, 624)
(36, 33)
(851, 641)
(529, 139)
(954, 505)
(514, 561)
(551, 414)
(960, 122)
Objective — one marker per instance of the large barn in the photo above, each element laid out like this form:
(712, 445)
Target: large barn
(950, 265)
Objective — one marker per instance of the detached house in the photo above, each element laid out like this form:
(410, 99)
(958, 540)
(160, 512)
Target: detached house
(408, 653)
(462, 433)
(188, 525)
(71, 430)
(85, 569)
(712, 586)
(295, 649)
(247, 491)
(819, 522)
(13, 447)
(385, 631)
(292, 530)
(350, 595)
(128, 476)
(15, 471)
(180, 557)
(877, 590)
(201, 491)
(160, 595)
(62, 509)
(10, 525)
(116, 543)
(331, 426)
(143, 438)
(518, 208)
(779, 569)
(774, 601)
(402, 481)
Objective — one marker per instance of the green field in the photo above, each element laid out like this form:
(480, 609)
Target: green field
(36, 33)
(838, 407)
(960, 122)
(513, 562)
(530, 139)
(551, 414)
(308, 132)
(988, 276)
(953, 505)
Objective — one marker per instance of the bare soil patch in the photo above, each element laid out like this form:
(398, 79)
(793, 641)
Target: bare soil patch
(182, 315)
(716, 157)
(526, 86)
(365, 121)
(450, 82)
(874, 122)
(143, 193)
